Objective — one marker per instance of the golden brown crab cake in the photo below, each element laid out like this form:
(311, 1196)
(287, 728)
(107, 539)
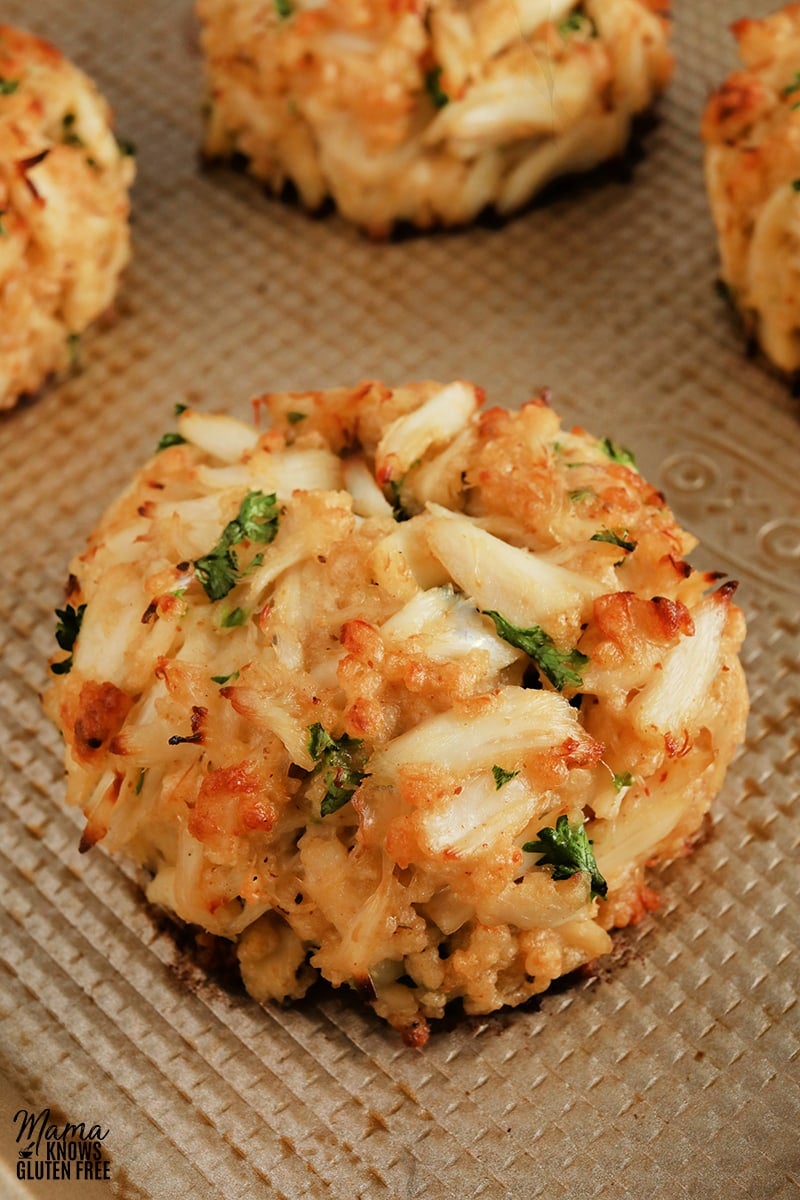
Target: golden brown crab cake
(427, 111)
(402, 692)
(752, 133)
(64, 236)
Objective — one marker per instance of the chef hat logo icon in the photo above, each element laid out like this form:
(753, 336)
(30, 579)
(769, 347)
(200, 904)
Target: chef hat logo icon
(27, 1152)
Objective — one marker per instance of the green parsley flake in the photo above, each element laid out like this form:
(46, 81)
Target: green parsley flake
(169, 439)
(225, 678)
(615, 539)
(399, 510)
(140, 781)
(180, 408)
(3, 230)
(617, 453)
(623, 780)
(295, 417)
(8, 86)
(559, 666)
(502, 777)
(218, 572)
(73, 349)
(577, 22)
(337, 759)
(569, 851)
(438, 96)
(796, 185)
(793, 87)
(256, 521)
(582, 494)
(237, 616)
(284, 8)
(68, 135)
(69, 626)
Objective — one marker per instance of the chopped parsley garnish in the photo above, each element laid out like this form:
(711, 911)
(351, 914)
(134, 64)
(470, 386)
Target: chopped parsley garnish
(796, 185)
(569, 851)
(608, 535)
(559, 666)
(73, 349)
(336, 759)
(617, 453)
(433, 86)
(169, 439)
(3, 230)
(793, 87)
(225, 678)
(395, 487)
(68, 135)
(501, 777)
(284, 8)
(218, 573)
(577, 22)
(140, 781)
(623, 780)
(295, 417)
(399, 511)
(69, 626)
(8, 86)
(180, 408)
(581, 494)
(237, 616)
(256, 521)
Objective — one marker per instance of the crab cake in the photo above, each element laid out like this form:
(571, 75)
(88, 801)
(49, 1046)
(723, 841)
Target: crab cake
(399, 692)
(752, 133)
(427, 112)
(64, 237)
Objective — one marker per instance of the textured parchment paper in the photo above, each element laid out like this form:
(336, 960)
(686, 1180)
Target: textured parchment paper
(673, 1075)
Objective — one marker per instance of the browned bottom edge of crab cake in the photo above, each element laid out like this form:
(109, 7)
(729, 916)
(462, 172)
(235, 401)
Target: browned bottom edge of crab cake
(201, 960)
(618, 171)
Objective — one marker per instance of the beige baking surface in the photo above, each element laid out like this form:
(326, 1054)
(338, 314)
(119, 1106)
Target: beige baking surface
(675, 1075)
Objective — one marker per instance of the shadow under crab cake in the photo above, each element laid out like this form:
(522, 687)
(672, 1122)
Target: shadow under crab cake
(618, 171)
(207, 965)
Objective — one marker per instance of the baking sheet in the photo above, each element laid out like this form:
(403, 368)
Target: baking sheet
(674, 1073)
